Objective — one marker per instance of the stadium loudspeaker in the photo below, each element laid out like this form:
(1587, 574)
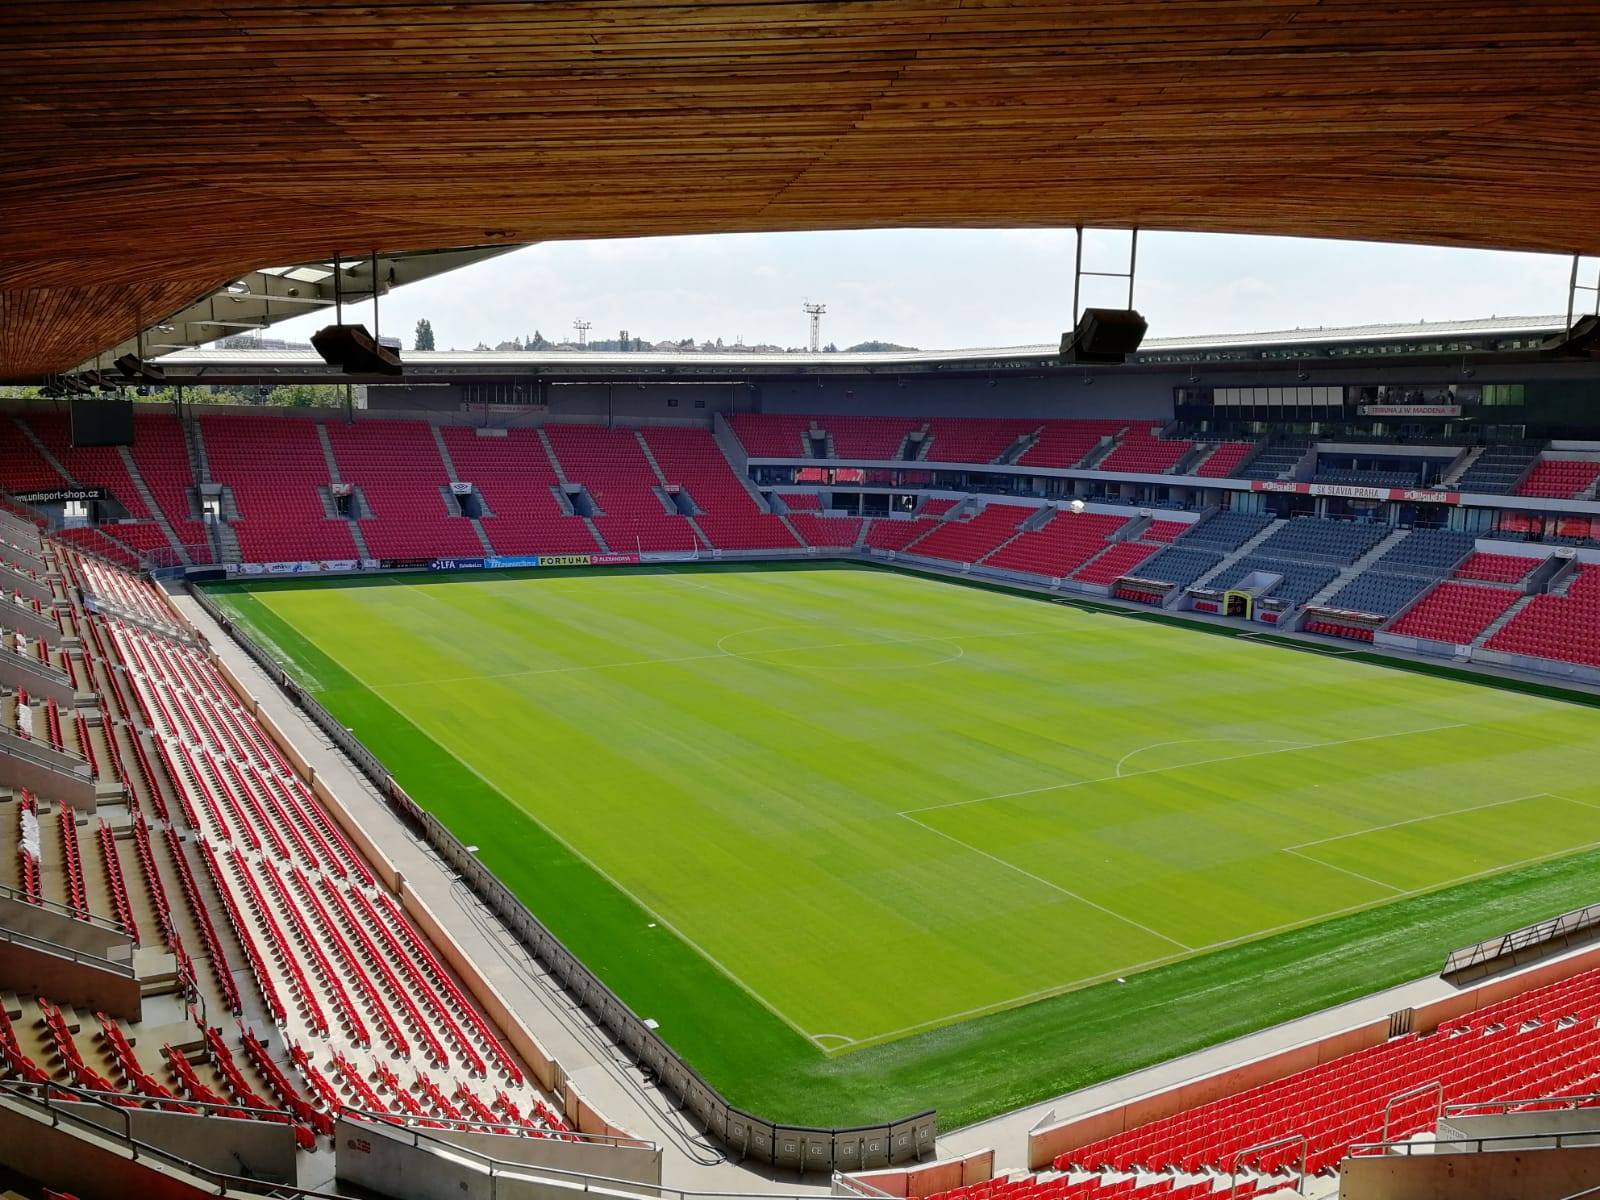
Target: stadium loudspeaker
(1104, 335)
(134, 367)
(352, 349)
(1582, 340)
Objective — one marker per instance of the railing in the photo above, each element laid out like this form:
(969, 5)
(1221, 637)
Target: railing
(1422, 1089)
(71, 953)
(802, 1147)
(1562, 930)
(7, 892)
(576, 1181)
(47, 1099)
(1288, 1139)
(1565, 1139)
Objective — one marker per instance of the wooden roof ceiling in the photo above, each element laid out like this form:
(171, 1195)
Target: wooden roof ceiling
(148, 152)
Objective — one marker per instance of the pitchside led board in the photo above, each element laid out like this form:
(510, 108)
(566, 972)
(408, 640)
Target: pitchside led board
(97, 422)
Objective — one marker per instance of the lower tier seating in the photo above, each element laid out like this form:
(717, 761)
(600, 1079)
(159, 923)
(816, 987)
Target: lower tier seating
(1454, 612)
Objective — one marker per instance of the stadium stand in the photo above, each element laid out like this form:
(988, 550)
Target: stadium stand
(513, 475)
(1225, 460)
(1066, 443)
(1497, 470)
(1179, 565)
(1277, 458)
(1065, 542)
(1496, 568)
(973, 540)
(1300, 580)
(404, 482)
(276, 470)
(611, 465)
(1456, 613)
(773, 435)
(162, 457)
(22, 467)
(1323, 539)
(974, 439)
(1140, 450)
(1403, 572)
(728, 514)
(1559, 478)
(1562, 627)
(1223, 531)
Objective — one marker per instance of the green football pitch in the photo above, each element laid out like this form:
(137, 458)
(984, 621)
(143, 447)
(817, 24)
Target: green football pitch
(865, 843)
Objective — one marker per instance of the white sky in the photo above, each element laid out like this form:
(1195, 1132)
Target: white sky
(944, 289)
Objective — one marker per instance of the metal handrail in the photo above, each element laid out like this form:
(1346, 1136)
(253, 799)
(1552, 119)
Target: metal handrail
(1286, 1140)
(1482, 1144)
(1571, 1101)
(18, 746)
(50, 1097)
(71, 953)
(7, 892)
(1418, 1090)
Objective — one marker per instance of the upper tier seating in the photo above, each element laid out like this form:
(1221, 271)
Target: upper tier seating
(801, 501)
(1164, 531)
(275, 467)
(1064, 443)
(1067, 541)
(1454, 612)
(1300, 580)
(772, 435)
(868, 437)
(1496, 471)
(1224, 530)
(1560, 478)
(1140, 451)
(611, 465)
(974, 439)
(1226, 460)
(396, 465)
(92, 466)
(728, 514)
(162, 456)
(970, 541)
(22, 467)
(1323, 539)
(1497, 568)
(1279, 456)
(514, 477)
(1564, 628)
(1387, 478)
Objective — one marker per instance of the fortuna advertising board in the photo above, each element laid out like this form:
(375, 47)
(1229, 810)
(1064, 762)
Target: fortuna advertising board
(1410, 410)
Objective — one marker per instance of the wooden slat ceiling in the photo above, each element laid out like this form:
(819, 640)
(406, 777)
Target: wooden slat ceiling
(148, 152)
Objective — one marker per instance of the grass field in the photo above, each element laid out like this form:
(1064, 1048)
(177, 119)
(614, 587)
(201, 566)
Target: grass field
(865, 843)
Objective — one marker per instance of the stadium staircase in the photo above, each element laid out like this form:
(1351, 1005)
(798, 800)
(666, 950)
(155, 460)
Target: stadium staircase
(687, 505)
(44, 453)
(326, 493)
(1243, 551)
(450, 470)
(1460, 467)
(147, 498)
(1394, 538)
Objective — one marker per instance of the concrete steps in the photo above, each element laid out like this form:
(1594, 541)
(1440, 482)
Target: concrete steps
(1243, 551)
(149, 501)
(1357, 567)
(1501, 622)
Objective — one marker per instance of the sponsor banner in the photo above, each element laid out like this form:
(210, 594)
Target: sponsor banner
(404, 564)
(461, 489)
(341, 489)
(612, 560)
(565, 560)
(1410, 410)
(1354, 492)
(455, 564)
(53, 495)
(293, 568)
(478, 407)
(511, 560)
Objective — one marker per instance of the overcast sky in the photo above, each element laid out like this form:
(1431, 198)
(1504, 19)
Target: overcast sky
(943, 289)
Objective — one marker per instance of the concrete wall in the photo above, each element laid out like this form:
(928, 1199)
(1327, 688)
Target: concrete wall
(390, 1163)
(32, 969)
(33, 765)
(1535, 1175)
(927, 1179)
(33, 677)
(65, 1159)
(257, 1149)
(1110, 395)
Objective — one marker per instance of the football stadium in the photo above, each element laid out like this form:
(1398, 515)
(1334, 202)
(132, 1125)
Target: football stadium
(1139, 767)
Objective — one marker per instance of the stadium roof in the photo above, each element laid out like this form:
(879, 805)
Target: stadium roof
(152, 153)
(235, 363)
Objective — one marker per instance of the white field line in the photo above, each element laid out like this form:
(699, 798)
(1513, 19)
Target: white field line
(716, 654)
(1058, 787)
(1254, 935)
(1342, 870)
(1455, 812)
(1190, 741)
(1048, 883)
